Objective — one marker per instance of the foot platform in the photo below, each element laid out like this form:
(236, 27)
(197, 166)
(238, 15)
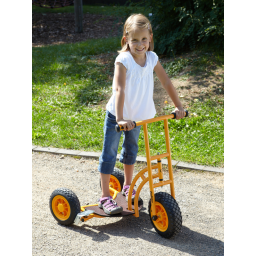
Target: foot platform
(121, 201)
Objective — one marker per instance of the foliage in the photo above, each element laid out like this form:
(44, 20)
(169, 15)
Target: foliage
(181, 25)
(174, 67)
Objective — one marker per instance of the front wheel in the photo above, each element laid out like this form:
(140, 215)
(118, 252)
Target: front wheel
(64, 205)
(169, 220)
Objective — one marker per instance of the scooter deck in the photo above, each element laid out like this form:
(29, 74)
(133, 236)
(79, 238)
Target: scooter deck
(121, 201)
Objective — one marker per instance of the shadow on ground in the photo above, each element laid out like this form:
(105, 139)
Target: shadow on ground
(187, 240)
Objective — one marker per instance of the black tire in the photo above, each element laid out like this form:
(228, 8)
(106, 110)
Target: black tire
(119, 175)
(173, 215)
(72, 206)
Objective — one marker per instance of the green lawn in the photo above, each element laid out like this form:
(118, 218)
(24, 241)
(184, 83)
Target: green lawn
(69, 82)
(198, 138)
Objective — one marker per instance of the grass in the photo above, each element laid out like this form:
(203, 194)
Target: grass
(67, 80)
(198, 138)
(92, 9)
(69, 83)
(201, 62)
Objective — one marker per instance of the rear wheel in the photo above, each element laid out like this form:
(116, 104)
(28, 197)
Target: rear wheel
(116, 180)
(169, 220)
(64, 205)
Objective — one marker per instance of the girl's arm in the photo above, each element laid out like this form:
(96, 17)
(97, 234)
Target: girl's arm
(168, 86)
(119, 85)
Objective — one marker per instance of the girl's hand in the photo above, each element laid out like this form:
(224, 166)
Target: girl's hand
(127, 124)
(180, 112)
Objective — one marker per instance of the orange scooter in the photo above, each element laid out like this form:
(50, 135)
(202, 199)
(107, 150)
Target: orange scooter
(164, 211)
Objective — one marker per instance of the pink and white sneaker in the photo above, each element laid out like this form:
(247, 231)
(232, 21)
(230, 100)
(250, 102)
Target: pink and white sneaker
(125, 192)
(109, 206)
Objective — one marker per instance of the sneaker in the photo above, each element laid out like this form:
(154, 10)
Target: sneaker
(125, 192)
(109, 206)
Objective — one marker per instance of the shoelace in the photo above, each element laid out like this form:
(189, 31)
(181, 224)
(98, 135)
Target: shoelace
(110, 204)
(126, 191)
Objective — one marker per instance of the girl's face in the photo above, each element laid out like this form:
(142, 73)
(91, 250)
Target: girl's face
(138, 41)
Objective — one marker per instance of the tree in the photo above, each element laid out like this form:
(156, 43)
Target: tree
(180, 25)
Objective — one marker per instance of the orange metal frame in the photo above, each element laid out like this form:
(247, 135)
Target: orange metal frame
(148, 169)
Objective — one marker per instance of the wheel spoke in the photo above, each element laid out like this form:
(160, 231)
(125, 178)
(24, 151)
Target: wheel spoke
(158, 221)
(114, 183)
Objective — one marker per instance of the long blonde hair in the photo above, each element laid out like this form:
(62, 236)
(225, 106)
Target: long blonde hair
(136, 21)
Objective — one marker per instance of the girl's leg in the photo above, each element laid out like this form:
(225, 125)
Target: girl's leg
(128, 158)
(128, 172)
(105, 184)
(107, 163)
(129, 151)
(106, 202)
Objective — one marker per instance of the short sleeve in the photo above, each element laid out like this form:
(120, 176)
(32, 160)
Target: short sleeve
(154, 59)
(122, 58)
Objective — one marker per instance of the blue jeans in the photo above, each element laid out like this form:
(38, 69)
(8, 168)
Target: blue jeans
(129, 151)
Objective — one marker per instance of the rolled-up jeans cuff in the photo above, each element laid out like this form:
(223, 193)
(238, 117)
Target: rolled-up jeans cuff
(127, 159)
(106, 167)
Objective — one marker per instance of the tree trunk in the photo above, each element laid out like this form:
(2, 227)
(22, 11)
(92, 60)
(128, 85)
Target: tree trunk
(78, 4)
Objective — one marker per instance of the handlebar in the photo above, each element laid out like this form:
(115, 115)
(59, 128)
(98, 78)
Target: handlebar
(120, 128)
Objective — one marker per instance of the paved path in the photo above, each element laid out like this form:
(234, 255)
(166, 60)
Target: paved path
(199, 195)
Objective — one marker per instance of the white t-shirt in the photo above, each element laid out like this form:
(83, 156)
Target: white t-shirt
(139, 87)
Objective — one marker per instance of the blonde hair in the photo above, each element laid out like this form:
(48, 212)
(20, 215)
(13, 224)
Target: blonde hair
(136, 21)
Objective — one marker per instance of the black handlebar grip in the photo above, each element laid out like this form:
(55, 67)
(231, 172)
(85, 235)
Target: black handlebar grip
(186, 114)
(119, 129)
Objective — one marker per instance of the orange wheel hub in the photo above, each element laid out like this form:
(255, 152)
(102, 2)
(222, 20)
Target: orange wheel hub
(61, 207)
(162, 218)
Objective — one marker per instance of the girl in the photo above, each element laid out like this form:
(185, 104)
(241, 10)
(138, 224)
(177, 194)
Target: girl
(132, 100)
